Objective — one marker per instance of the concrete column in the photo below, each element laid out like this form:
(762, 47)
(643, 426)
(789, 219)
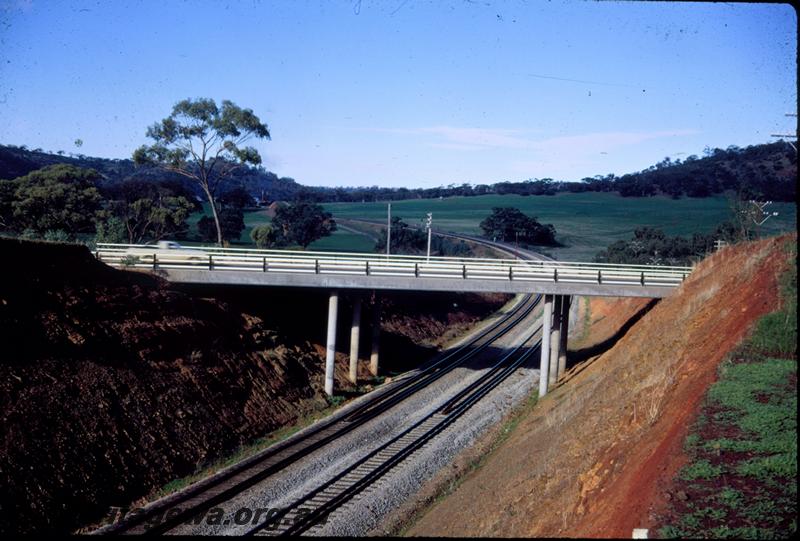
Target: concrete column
(555, 339)
(562, 345)
(355, 330)
(330, 354)
(544, 363)
(376, 336)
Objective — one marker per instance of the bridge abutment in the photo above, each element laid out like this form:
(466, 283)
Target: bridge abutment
(330, 350)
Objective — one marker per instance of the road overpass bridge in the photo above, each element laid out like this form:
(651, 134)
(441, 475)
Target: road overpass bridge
(231, 266)
(556, 280)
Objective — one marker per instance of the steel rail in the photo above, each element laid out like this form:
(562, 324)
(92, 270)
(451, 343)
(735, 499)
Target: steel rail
(306, 513)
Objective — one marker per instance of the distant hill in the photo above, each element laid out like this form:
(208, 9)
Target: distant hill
(766, 171)
(16, 161)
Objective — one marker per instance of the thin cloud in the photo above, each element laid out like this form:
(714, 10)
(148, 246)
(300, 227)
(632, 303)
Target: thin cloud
(480, 137)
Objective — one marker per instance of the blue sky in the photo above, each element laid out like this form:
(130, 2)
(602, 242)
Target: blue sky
(408, 92)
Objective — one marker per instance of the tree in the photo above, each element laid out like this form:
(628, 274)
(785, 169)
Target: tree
(111, 229)
(404, 239)
(147, 210)
(265, 236)
(236, 197)
(230, 208)
(303, 222)
(8, 189)
(203, 142)
(57, 197)
(231, 220)
(507, 223)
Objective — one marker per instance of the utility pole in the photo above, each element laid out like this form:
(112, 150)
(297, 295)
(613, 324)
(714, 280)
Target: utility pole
(428, 222)
(388, 227)
(759, 215)
(790, 135)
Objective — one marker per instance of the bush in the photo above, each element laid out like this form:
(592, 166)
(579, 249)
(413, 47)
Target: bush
(111, 230)
(57, 235)
(264, 236)
(231, 221)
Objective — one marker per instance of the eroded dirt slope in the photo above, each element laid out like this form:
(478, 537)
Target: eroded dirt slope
(589, 458)
(113, 383)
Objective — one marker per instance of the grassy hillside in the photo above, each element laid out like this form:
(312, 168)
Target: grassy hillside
(585, 222)
(741, 479)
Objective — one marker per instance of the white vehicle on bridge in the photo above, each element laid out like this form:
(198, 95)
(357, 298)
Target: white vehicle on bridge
(166, 251)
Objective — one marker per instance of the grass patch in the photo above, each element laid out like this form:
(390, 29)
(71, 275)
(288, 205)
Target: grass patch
(700, 469)
(741, 480)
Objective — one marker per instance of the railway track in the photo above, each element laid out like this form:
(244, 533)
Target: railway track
(171, 512)
(308, 512)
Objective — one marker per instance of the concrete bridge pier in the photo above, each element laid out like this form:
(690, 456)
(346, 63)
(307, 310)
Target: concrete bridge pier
(555, 339)
(376, 334)
(330, 352)
(544, 362)
(355, 331)
(562, 346)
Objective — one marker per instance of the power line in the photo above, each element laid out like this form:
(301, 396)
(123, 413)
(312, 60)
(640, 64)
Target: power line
(787, 135)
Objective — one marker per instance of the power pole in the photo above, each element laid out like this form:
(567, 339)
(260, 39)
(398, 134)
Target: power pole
(388, 227)
(428, 222)
(759, 215)
(790, 135)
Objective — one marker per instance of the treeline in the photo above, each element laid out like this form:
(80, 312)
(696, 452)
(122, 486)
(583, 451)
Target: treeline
(766, 171)
(17, 161)
(65, 202)
(651, 246)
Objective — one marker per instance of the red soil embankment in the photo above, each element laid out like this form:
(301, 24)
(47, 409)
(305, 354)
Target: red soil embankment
(589, 459)
(114, 383)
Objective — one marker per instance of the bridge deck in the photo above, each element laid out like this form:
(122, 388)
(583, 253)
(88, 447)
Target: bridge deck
(396, 272)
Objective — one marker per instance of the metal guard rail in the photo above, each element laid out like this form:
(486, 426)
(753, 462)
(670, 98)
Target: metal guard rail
(136, 256)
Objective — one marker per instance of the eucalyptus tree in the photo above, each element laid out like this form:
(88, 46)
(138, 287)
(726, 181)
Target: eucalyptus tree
(205, 143)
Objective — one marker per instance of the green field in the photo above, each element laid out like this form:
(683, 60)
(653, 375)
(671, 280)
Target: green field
(585, 222)
(341, 241)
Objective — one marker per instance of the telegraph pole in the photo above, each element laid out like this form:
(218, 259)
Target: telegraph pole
(760, 216)
(790, 135)
(428, 222)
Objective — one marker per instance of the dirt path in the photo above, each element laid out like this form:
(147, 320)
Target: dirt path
(589, 459)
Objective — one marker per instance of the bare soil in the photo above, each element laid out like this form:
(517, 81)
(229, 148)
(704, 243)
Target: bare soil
(591, 457)
(113, 383)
